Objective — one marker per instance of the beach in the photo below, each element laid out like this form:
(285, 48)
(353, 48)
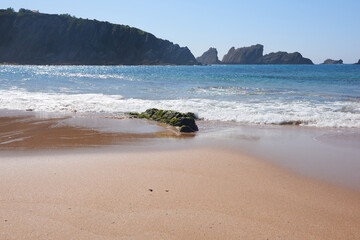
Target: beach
(276, 155)
(147, 120)
(163, 188)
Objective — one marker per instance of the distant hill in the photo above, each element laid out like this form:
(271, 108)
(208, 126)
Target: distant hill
(254, 55)
(28, 37)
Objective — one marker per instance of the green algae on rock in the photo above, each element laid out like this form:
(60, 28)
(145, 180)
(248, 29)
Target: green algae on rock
(186, 121)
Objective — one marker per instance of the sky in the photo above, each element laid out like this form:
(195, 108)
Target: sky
(318, 29)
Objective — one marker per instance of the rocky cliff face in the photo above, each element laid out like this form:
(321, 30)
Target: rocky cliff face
(254, 55)
(284, 58)
(209, 57)
(331, 61)
(358, 62)
(33, 38)
(245, 55)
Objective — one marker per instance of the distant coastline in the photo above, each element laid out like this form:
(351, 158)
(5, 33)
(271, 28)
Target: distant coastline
(33, 38)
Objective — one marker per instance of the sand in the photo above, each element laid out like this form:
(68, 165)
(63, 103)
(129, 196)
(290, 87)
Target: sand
(196, 193)
(75, 177)
(33, 131)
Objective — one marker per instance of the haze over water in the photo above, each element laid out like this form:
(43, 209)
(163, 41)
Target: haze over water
(317, 95)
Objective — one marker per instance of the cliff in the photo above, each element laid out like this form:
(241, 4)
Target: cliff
(331, 61)
(34, 38)
(209, 57)
(358, 62)
(254, 55)
(245, 55)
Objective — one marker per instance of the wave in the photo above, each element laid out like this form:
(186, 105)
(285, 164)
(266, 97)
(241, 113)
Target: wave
(83, 75)
(325, 114)
(52, 71)
(233, 91)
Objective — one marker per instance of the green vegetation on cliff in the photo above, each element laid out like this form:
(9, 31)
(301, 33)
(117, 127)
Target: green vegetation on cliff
(30, 37)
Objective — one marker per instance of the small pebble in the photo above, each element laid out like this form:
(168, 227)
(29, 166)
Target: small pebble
(150, 190)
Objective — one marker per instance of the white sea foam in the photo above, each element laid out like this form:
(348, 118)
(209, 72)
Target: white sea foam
(325, 114)
(81, 75)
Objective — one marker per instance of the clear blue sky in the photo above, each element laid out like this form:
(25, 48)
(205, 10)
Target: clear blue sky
(318, 29)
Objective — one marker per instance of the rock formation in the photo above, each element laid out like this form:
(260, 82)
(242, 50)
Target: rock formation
(209, 57)
(185, 121)
(358, 62)
(284, 58)
(245, 55)
(331, 61)
(34, 38)
(254, 55)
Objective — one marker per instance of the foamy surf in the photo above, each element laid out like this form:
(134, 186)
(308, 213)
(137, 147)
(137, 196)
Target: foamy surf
(341, 114)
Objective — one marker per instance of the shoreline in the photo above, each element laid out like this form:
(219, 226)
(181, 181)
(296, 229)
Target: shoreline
(144, 181)
(22, 130)
(325, 154)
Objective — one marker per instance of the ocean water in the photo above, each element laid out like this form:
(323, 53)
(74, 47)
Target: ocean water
(314, 95)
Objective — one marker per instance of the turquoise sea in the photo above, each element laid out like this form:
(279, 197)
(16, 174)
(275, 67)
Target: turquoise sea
(313, 95)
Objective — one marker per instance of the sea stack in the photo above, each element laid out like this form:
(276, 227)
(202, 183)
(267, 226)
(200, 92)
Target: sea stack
(331, 61)
(284, 58)
(254, 55)
(209, 57)
(34, 38)
(244, 55)
(358, 62)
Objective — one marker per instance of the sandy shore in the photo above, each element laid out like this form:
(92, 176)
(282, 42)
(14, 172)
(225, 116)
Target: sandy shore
(33, 131)
(93, 177)
(197, 193)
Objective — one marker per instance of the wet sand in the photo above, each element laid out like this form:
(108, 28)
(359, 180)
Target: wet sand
(34, 131)
(65, 184)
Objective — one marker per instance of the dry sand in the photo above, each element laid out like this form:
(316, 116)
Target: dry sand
(179, 194)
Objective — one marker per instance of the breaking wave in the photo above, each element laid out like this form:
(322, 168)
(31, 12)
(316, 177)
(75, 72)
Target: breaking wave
(340, 114)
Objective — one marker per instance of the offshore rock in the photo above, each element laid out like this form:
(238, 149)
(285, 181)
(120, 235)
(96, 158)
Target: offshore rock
(284, 58)
(331, 61)
(209, 57)
(34, 38)
(254, 55)
(244, 55)
(358, 62)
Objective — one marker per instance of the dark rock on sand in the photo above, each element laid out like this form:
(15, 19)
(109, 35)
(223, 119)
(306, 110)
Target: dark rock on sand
(297, 122)
(133, 114)
(331, 61)
(34, 38)
(186, 121)
(186, 129)
(209, 57)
